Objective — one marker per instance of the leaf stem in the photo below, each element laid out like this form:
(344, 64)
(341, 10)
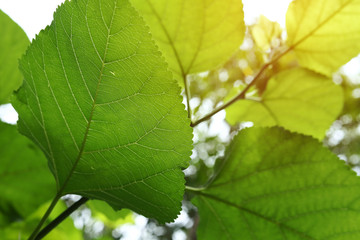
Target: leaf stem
(194, 189)
(60, 218)
(242, 94)
(45, 216)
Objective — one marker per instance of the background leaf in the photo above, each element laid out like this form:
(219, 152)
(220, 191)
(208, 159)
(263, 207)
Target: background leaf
(324, 34)
(194, 35)
(99, 101)
(297, 99)
(22, 229)
(13, 43)
(25, 180)
(102, 211)
(279, 185)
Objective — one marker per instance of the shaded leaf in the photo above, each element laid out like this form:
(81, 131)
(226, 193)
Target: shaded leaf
(297, 99)
(98, 100)
(22, 229)
(279, 185)
(13, 43)
(194, 36)
(24, 176)
(324, 34)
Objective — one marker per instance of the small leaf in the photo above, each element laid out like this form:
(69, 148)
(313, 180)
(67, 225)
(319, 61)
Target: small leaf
(297, 99)
(25, 180)
(99, 101)
(324, 34)
(13, 43)
(279, 185)
(194, 35)
(264, 32)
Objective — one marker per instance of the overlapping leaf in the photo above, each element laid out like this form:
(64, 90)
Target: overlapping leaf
(324, 34)
(24, 175)
(13, 43)
(194, 35)
(278, 185)
(296, 99)
(99, 101)
(265, 32)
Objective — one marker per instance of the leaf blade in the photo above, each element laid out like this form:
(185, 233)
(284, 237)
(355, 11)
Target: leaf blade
(322, 33)
(296, 99)
(196, 35)
(13, 43)
(272, 188)
(105, 110)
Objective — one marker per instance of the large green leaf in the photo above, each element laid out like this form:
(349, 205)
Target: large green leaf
(99, 101)
(24, 176)
(13, 43)
(279, 185)
(194, 35)
(324, 34)
(297, 99)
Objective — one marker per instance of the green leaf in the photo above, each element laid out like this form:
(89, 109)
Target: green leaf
(102, 211)
(22, 229)
(99, 101)
(324, 34)
(279, 185)
(296, 99)
(194, 35)
(25, 180)
(13, 43)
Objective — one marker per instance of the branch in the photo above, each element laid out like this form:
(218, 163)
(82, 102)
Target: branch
(60, 218)
(46, 215)
(242, 94)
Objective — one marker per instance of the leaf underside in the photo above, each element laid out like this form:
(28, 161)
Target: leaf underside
(194, 35)
(296, 99)
(98, 100)
(324, 34)
(280, 185)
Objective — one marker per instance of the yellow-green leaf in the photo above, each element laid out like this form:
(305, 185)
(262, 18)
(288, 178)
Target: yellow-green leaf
(325, 34)
(194, 35)
(297, 99)
(265, 31)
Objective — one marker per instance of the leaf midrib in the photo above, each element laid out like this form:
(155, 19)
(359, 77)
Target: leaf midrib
(321, 24)
(93, 105)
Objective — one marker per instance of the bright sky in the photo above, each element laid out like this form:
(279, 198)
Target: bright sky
(34, 15)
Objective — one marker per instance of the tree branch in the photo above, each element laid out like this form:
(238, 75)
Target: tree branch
(242, 94)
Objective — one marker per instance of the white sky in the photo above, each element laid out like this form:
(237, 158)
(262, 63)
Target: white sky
(34, 15)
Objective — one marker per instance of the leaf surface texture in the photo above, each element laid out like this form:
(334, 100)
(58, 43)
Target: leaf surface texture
(194, 35)
(99, 101)
(324, 34)
(280, 185)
